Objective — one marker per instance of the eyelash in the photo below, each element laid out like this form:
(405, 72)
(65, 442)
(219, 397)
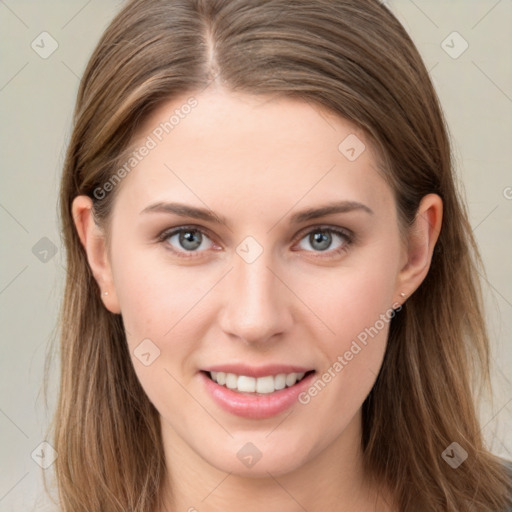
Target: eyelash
(346, 235)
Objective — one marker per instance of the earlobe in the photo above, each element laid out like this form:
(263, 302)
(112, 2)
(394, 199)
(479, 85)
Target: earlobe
(94, 243)
(421, 241)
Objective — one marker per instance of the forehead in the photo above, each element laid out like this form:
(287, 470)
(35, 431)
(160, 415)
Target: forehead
(250, 151)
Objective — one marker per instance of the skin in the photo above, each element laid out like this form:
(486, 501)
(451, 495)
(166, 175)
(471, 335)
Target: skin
(257, 161)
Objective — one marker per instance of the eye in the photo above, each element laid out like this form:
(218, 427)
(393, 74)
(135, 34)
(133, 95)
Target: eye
(321, 239)
(186, 239)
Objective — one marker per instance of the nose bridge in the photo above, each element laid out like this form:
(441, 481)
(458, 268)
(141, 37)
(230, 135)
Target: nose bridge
(256, 307)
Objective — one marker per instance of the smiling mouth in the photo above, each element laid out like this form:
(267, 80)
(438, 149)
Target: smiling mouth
(257, 385)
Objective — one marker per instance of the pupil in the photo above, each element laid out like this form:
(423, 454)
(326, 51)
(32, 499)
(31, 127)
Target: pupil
(323, 239)
(187, 239)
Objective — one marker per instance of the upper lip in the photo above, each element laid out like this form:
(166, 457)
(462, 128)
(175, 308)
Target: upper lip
(257, 371)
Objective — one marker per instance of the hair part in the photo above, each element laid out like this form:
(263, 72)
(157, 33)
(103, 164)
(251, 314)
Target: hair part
(355, 59)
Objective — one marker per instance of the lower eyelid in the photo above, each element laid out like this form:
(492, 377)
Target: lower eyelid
(164, 237)
(346, 237)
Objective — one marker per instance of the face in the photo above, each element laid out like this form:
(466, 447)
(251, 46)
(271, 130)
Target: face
(227, 263)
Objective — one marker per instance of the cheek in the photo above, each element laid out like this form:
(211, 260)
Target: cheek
(154, 295)
(159, 305)
(352, 298)
(352, 359)
(355, 303)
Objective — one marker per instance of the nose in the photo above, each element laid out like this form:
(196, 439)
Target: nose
(257, 308)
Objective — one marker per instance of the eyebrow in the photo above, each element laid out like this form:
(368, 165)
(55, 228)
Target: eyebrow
(205, 214)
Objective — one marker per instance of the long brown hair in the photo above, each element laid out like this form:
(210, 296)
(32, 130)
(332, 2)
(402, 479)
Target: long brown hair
(354, 58)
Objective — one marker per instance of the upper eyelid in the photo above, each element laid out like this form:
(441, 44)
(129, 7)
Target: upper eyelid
(167, 233)
(325, 227)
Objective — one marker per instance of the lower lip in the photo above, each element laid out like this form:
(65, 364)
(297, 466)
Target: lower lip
(255, 406)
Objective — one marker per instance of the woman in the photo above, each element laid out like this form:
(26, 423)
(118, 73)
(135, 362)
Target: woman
(271, 300)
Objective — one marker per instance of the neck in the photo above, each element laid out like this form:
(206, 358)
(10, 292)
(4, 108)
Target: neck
(333, 479)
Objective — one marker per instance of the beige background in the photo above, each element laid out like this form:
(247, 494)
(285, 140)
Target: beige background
(37, 97)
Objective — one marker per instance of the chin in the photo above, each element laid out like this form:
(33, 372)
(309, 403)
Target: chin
(259, 457)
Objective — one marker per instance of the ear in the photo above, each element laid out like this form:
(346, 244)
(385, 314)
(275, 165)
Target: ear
(419, 247)
(94, 243)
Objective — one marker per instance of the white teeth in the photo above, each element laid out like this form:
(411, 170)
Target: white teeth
(231, 381)
(280, 381)
(264, 385)
(246, 384)
(291, 379)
